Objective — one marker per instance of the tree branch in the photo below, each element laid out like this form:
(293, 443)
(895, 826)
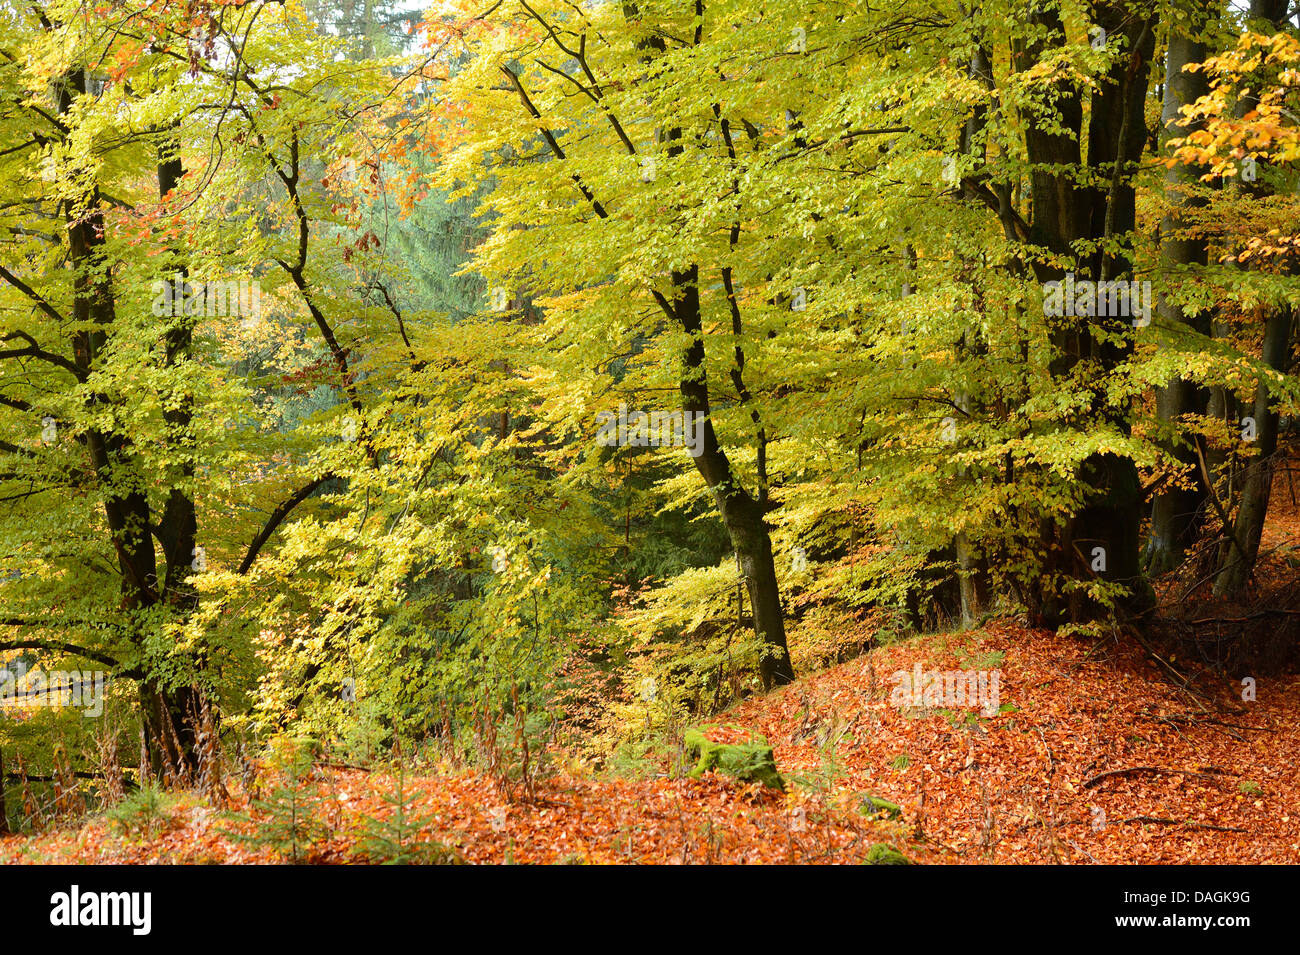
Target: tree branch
(556, 150)
(31, 293)
(53, 646)
(277, 516)
(34, 350)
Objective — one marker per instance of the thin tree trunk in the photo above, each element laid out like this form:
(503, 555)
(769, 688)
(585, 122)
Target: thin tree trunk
(4, 813)
(1257, 482)
(178, 526)
(178, 523)
(1237, 558)
(972, 568)
(741, 513)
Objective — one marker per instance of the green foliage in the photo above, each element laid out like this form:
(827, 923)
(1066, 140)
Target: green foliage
(290, 824)
(144, 812)
(395, 839)
(986, 660)
(641, 758)
(688, 643)
(824, 778)
(377, 510)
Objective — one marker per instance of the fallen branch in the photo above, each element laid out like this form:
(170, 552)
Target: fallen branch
(1160, 820)
(1159, 770)
(1252, 616)
(38, 778)
(1188, 719)
(1186, 685)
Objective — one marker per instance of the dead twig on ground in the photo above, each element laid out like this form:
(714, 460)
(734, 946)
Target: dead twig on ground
(1158, 770)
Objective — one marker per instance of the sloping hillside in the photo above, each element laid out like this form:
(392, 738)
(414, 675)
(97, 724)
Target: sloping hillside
(1095, 757)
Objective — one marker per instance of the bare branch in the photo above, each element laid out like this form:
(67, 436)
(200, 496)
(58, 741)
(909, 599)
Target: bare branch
(277, 516)
(53, 646)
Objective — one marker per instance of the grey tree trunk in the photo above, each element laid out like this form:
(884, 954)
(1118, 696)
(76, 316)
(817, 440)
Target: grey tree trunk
(1067, 216)
(973, 583)
(1237, 558)
(1176, 511)
(1257, 482)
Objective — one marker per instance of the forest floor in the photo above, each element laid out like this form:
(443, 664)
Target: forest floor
(1103, 751)
(1099, 757)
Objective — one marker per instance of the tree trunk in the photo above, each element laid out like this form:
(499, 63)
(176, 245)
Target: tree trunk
(1176, 511)
(1067, 215)
(178, 524)
(178, 534)
(1113, 523)
(1237, 558)
(741, 513)
(168, 717)
(748, 532)
(126, 507)
(4, 812)
(973, 583)
(1257, 482)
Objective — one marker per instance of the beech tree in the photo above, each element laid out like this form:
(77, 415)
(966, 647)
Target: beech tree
(125, 433)
(979, 309)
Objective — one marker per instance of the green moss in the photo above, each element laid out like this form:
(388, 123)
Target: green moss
(748, 762)
(884, 854)
(878, 806)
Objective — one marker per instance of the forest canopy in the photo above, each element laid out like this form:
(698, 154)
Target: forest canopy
(539, 377)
